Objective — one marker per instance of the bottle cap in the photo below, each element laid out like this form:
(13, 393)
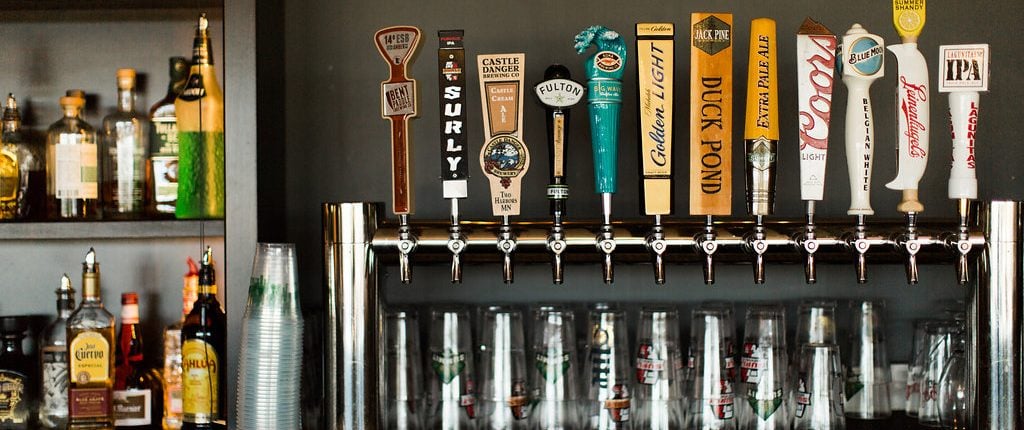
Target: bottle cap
(72, 101)
(125, 79)
(13, 326)
(179, 68)
(65, 286)
(90, 265)
(129, 298)
(75, 93)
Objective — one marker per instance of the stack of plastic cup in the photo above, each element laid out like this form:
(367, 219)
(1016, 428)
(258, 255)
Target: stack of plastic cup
(270, 363)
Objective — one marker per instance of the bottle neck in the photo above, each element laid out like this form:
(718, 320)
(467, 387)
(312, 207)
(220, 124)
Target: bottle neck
(130, 342)
(202, 51)
(11, 125)
(90, 288)
(65, 306)
(71, 112)
(125, 100)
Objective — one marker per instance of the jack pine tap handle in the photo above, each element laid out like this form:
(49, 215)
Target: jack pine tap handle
(711, 114)
(862, 62)
(912, 99)
(397, 45)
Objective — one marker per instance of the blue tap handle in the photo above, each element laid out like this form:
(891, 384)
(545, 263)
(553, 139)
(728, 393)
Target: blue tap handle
(604, 69)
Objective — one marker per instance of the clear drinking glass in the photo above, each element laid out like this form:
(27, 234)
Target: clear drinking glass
(607, 371)
(818, 389)
(938, 349)
(868, 375)
(659, 365)
(553, 377)
(451, 391)
(816, 322)
(915, 375)
(763, 369)
(403, 389)
(709, 381)
(504, 401)
(954, 402)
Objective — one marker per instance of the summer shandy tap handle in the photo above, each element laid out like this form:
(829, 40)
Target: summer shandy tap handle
(862, 63)
(912, 112)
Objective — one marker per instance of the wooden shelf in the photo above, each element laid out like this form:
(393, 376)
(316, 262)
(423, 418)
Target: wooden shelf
(52, 5)
(111, 230)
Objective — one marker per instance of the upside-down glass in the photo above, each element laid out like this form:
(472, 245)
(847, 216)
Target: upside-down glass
(818, 389)
(553, 376)
(660, 403)
(915, 375)
(403, 390)
(938, 349)
(451, 388)
(504, 401)
(710, 384)
(607, 372)
(868, 375)
(764, 370)
(954, 402)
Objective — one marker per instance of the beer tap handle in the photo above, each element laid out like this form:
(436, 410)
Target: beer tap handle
(656, 244)
(757, 243)
(451, 59)
(406, 245)
(606, 240)
(810, 271)
(862, 63)
(911, 245)
(707, 245)
(507, 245)
(557, 271)
(809, 244)
(456, 243)
(761, 134)
(860, 245)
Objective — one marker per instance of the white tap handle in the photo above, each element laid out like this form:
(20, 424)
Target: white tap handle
(863, 61)
(912, 118)
(963, 113)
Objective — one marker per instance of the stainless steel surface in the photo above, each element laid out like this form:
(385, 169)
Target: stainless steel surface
(507, 244)
(605, 241)
(997, 364)
(456, 243)
(908, 242)
(858, 241)
(808, 242)
(761, 181)
(656, 245)
(406, 245)
(757, 244)
(706, 243)
(353, 328)
(556, 245)
(960, 243)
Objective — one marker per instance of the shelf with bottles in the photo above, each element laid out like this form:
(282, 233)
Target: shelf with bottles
(52, 5)
(111, 229)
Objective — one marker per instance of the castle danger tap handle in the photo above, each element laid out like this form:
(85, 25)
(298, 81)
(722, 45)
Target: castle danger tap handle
(504, 158)
(863, 60)
(604, 69)
(711, 114)
(815, 64)
(451, 74)
(761, 131)
(398, 103)
(655, 47)
(558, 92)
(912, 112)
(964, 73)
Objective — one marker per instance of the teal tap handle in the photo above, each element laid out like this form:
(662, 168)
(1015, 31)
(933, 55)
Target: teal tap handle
(604, 69)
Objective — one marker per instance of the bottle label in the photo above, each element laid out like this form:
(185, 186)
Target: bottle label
(165, 133)
(194, 88)
(10, 183)
(55, 381)
(200, 367)
(13, 408)
(76, 171)
(165, 164)
(132, 407)
(89, 402)
(650, 364)
(90, 358)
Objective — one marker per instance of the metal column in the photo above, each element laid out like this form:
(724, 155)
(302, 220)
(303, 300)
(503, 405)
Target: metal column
(352, 323)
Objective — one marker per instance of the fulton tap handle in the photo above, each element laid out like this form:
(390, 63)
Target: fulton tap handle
(862, 63)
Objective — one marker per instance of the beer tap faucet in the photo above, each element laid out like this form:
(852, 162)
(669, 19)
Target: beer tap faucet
(964, 75)
(761, 135)
(862, 60)
(504, 157)
(451, 56)
(816, 61)
(558, 92)
(655, 72)
(710, 127)
(604, 68)
(913, 127)
(398, 104)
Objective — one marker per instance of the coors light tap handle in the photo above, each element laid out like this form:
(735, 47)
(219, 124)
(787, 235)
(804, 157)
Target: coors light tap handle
(815, 63)
(504, 158)
(710, 127)
(604, 69)
(398, 103)
(655, 47)
(451, 76)
(862, 62)
(964, 75)
(557, 92)
(761, 134)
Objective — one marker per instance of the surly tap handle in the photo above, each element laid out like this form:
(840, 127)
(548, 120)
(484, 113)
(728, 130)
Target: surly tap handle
(398, 104)
(862, 62)
(451, 74)
(604, 69)
(557, 92)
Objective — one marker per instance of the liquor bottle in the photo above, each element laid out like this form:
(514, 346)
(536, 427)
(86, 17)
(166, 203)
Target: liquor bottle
(72, 189)
(15, 375)
(53, 411)
(202, 351)
(138, 391)
(200, 111)
(172, 351)
(91, 354)
(22, 187)
(162, 171)
(124, 151)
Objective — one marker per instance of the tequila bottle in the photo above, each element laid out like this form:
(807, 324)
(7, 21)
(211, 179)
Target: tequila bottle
(91, 354)
(124, 150)
(53, 411)
(71, 164)
(163, 150)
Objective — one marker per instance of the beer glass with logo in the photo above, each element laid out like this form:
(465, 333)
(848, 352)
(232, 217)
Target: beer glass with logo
(607, 371)
(763, 369)
(554, 370)
(818, 389)
(659, 366)
(868, 374)
(939, 337)
(504, 401)
(710, 382)
(451, 391)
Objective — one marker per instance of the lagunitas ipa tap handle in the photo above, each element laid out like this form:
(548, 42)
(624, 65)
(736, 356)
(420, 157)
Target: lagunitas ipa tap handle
(710, 126)
(451, 76)
(504, 158)
(912, 112)
(398, 103)
(604, 68)
(761, 133)
(964, 74)
(655, 47)
(557, 92)
(816, 61)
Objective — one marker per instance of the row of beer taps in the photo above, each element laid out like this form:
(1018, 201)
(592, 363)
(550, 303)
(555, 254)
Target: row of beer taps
(857, 57)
